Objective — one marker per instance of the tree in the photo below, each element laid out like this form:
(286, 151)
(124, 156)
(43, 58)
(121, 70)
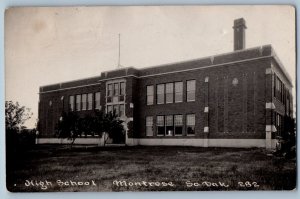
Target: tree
(68, 126)
(112, 125)
(71, 126)
(15, 116)
(18, 138)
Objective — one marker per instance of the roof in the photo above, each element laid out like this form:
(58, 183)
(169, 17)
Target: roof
(211, 61)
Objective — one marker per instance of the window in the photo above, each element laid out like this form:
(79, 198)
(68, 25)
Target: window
(97, 100)
(109, 109)
(116, 109)
(169, 125)
(149, 126)
(122, 110)
(78, 102)
(83, 101)
(178, 91)
(122, 88)
(110, 90)
(90, 101)
(169, 92)
(190, 124)
(160, 93)
(116, 88)
(150, 97)
(190, 90)
(160, 123)
(178, 124)
(71, 103)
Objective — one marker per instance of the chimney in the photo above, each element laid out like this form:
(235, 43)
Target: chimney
(239, 34)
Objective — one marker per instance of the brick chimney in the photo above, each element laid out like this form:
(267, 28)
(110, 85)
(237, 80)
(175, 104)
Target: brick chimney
(239, 34)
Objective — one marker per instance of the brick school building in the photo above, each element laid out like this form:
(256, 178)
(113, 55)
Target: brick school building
(236, 99)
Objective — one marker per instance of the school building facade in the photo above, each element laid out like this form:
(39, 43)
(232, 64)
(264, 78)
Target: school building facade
(237, 99)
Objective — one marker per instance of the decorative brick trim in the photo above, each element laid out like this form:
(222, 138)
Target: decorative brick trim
(270, 105)
(206, 109)
(269, 71)
(206, 79)
(271, 128)
(206, 129)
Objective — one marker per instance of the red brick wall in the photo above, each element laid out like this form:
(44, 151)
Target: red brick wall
(232, 109)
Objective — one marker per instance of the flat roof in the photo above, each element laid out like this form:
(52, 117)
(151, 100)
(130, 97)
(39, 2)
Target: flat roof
(216, 60)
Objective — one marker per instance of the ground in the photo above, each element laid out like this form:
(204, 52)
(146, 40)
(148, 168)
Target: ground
(60, 168)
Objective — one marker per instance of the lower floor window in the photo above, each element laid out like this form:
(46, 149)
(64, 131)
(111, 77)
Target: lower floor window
(160, 123)
(190, 124)
(169, 125)
(178, 124)
(149, 126)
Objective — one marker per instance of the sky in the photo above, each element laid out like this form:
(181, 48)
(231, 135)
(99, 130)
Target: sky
(47, 45)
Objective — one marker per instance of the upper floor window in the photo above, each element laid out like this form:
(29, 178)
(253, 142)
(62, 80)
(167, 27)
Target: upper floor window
(122, 88)
(149, 126)
(190, 90)
(97, 100)
(178, 91)
(150, 93)
(169, 92)
(78, 102)
(71, 102)
(90, 101)
(83, 101)
(190, 124)
(110, 90)
(160, 93)
(116, 88)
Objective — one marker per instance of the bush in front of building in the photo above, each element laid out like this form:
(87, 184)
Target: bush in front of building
(71, 126)
(286, 142)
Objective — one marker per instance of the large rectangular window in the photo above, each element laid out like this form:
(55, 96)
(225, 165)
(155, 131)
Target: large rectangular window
(190, 90)
(160, 94)
(149, 126)
(116, 109)
(71, 102)
(97, 100)
(169, 92)
(78, 102)
(116, 88)
(160, 123)
(122, 110)
(83, 101)
(178, 123)
(109, 109)
(178, 91)
(90, 101)
(150, 93)
(110, 90)
(122, 88)
(190, 124)
(169, 125)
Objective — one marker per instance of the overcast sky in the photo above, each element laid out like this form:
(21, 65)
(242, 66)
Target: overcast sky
(50, 45)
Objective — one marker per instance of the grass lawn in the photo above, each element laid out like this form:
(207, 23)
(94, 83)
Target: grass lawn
(180, 168)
